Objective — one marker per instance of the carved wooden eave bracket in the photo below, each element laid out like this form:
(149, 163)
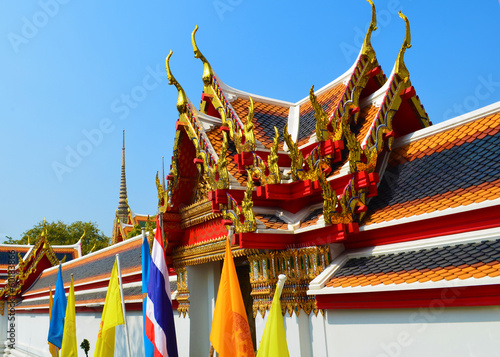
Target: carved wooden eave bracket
(242, 219)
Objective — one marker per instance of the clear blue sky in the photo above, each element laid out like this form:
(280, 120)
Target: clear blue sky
(70, 68)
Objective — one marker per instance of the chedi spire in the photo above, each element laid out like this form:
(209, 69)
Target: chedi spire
(122, 212)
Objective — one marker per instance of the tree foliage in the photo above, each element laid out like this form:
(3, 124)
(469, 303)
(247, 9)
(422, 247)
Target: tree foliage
(59, 233)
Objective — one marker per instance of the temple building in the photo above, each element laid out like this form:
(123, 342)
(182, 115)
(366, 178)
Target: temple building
(386, 226)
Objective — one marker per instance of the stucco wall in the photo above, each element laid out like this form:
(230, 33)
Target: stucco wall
(32, 331)
(438, 331)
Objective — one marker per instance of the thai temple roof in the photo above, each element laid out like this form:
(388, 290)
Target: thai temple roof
(352, 186)
(30, 260)
(91, 275)
(356, 164)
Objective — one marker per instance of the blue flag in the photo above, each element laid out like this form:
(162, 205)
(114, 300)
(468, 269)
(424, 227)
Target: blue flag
(149, 349)
(56, 327)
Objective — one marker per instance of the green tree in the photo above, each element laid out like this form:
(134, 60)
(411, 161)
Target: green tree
(59, 233)
(136, 230)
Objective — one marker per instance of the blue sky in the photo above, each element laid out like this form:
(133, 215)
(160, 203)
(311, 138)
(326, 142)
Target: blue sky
(74, 74)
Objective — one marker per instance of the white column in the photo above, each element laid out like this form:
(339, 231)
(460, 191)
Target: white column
(317, 334)
(298, 335)
(260, 324)
(203, 284)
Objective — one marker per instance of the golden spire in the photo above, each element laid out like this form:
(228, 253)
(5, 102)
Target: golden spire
(367, 48)
(401, 69)
(182, 98)
(207, 69)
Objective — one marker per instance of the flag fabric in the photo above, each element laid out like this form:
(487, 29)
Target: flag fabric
(52, 348)
(273, 343)
(112, 315)
(149, 349)
(69, 346)
(56, 327)
(230, 333)
(159, 324)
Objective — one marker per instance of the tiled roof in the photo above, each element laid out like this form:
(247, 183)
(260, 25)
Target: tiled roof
(328, 100)
(130, 293)
(94, 267)
(365, 121)
(453, 168)
(312, 218)
(461, 261)
(272, 221)
(215, 138)
(266, 117)
(5, 254)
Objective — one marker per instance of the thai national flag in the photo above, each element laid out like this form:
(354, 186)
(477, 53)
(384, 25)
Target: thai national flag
(159, 323)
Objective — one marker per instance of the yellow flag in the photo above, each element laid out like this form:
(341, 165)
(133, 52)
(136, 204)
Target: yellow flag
(69, 347)
(273, 343)
(52, 348)
(230, 334)
(112, 315)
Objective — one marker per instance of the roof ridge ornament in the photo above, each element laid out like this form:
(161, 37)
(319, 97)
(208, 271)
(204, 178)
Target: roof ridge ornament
(367, 48)
(322, 132)
(182, 101)
(401, 69)
(208, 73)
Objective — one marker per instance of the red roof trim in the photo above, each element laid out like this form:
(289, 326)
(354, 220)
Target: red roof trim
(467, 221)
(482, 295)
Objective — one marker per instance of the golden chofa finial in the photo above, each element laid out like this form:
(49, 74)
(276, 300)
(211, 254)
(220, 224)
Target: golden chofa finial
(182, 99)
(207, 69)
(367, 48)
(401, 69)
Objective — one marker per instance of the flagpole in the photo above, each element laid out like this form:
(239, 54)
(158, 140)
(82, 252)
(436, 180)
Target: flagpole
(123, 303)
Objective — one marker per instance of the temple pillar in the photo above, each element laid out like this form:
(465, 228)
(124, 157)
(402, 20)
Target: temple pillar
(317, 334)
(298, 334)
(203, 282)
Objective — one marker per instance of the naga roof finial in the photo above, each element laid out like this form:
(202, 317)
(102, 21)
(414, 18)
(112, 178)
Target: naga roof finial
(182, 100)
(401, 69)
(207, 69)
(367, 48)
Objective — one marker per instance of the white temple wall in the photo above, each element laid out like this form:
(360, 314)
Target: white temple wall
(317, 334)
(260, 324)
(182, 328)
(32, 331)
(203, 284)
(454, 332)
(299, 333)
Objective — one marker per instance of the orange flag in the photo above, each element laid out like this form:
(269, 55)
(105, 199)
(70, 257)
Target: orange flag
(230, 334)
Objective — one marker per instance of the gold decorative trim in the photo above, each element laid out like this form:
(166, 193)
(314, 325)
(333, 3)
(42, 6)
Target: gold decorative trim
(204, 252)
(208, 73)
(367, 48)
(182, 291)
(234, 213)
(400, 68)
(197, 213)
(299, 265)
(189, 222)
